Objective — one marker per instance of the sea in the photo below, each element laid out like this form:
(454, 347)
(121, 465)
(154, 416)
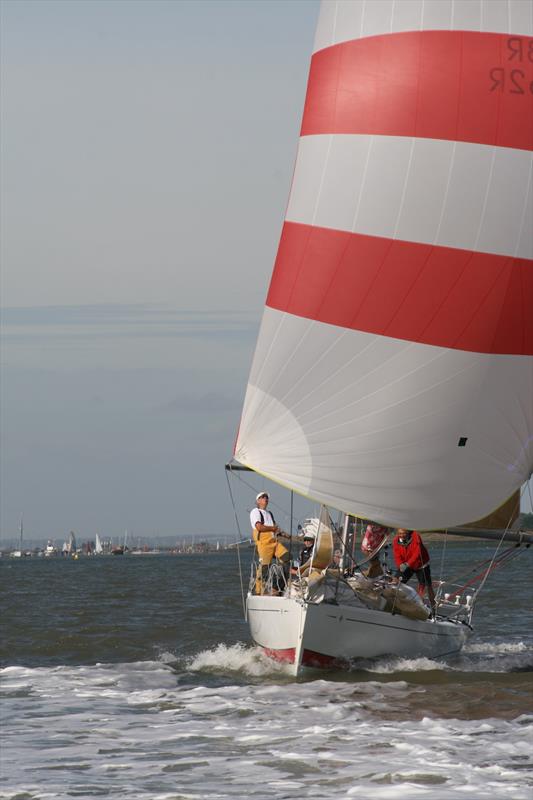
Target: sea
(135, 677)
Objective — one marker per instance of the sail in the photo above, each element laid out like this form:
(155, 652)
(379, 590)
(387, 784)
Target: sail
(500, 519)
(98, 545)
(393, 373)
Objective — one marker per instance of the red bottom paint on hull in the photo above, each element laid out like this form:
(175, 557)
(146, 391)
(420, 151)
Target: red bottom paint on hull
(309, 658)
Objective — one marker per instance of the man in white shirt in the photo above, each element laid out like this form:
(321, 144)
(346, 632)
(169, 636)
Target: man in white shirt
(266, 533)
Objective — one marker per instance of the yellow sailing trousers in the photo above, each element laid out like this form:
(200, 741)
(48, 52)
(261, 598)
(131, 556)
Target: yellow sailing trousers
(268, 547)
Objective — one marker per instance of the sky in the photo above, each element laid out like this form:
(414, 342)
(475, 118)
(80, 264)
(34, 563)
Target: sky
(147, 153)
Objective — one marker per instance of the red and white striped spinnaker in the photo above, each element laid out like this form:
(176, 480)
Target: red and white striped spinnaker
(393, 374)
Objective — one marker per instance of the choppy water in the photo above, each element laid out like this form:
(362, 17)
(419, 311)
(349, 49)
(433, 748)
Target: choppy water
(134, 678)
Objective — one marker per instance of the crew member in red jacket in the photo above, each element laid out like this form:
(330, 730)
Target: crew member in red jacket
(412, 558)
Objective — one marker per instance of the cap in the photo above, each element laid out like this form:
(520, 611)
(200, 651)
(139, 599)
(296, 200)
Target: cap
(262, 494)
(309, 536)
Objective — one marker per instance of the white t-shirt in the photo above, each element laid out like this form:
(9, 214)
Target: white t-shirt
(255, 517)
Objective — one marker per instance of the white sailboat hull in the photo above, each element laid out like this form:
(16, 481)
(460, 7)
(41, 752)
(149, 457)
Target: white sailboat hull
(325, 634)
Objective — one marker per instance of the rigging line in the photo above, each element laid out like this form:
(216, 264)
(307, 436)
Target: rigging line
(253, 488)
(238, 549)
(485, 573)
(465, 574)
(290, 540)
(462, 575)
(443, 555)
(503, 559)
(516, 508)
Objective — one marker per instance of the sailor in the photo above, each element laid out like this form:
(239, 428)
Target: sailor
(412, 558)
(306, 553)
(266, 534)
(374, 536)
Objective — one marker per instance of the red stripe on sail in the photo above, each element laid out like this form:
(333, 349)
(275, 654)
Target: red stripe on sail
(435, 295)
(456, 85)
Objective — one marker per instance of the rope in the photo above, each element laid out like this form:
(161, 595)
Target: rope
(290, 540)
(285, 513)
(485, 573)
(238, 549)
(510, 522)
(462, 575)
(443, 555)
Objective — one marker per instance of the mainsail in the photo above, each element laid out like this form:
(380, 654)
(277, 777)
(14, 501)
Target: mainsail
(393, 373)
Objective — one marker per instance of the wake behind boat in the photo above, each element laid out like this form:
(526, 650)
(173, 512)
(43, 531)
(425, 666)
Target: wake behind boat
(393, 373)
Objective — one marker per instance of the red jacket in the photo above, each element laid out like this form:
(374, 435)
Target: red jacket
(414, 554)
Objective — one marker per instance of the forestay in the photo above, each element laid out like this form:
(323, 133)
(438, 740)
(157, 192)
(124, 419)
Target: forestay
(393, 374)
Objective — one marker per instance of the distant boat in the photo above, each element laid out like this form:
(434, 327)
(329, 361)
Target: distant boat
(20, 552)
(98, 549)
(121, 549)
(50, 550)
(69, 548)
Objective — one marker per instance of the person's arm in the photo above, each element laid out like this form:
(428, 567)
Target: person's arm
(398, 552)
(255, 519)
(414, 551)
(266, 528)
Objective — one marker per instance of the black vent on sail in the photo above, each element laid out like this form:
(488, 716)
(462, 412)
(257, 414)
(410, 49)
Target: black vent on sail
(462, 441)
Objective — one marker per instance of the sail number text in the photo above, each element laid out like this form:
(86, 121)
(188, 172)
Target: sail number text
(515, 77)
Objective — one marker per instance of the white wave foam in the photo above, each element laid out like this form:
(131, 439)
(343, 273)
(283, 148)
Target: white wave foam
(237, 658)
(488, 648)
(138, 732)
(405, 665)
(475, 657)
(167, 658)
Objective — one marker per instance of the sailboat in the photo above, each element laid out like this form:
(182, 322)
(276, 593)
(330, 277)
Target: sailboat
(120, 549)
(20, 552)
(98, 549)
(393, 373)
(72, 545)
